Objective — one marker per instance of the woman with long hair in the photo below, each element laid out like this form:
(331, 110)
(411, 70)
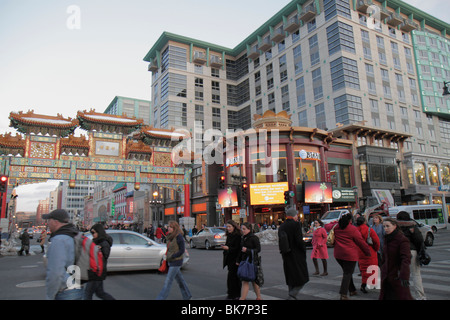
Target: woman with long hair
(175, 253)
(231, 251)
(250, 249)
(347, 241)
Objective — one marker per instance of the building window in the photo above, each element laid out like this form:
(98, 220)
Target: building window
(348, 109)
(340, 38)
(433, 174)
(344, 73)
(445, 174)
(340, 175)
(419, 172)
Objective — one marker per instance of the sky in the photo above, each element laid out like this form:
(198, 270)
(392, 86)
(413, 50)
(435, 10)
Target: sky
(68, 56)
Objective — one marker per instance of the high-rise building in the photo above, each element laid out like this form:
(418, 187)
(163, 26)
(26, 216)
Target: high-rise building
(331, 64)
(131, 107)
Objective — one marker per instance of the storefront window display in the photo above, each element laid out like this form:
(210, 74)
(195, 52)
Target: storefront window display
(433, 174)
(445, 174)
(307, 164)
(419, 172)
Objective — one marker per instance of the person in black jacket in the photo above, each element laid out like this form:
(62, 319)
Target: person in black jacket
(25, 238)
(95, 283)
(412, 232)
(231, 251)
(294, 260)
(250, 249)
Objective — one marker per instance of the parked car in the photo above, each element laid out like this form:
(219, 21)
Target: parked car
(208, 238)
(133, 251)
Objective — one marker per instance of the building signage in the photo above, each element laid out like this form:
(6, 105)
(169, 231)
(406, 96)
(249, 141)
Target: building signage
(228, 197)
(343, 195)
(309, 155)
(268, 193)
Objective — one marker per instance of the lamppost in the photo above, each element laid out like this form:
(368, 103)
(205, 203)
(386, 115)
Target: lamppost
(156, 203)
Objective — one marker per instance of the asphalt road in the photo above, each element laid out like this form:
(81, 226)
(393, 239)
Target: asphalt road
(23, 278)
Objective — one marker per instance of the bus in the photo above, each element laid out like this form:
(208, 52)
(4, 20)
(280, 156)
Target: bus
(430, 214)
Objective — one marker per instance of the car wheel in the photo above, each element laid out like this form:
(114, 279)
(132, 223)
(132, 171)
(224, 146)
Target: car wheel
(429, 240)
(207, 245)
(192, 244)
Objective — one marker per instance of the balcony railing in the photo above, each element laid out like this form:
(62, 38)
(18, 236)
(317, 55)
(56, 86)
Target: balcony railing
(278, 34)
(308, 13)
(265, 44)
(395, 19)
(363, 5)
(253, 52)
(408, 25)
(292, 24)
(153, 65)
(199, 57)
(216, 61)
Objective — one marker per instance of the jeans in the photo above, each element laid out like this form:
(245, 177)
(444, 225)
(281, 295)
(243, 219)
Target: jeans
(96, 287)
(347, 280)
(74, 294)
(174, 273)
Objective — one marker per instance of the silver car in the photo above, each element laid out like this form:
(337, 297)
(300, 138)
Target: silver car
(133, 251)
(208, 238)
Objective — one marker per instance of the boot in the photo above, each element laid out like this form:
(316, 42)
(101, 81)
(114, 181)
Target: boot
(316, 266)
(324, 263)
(363, 288)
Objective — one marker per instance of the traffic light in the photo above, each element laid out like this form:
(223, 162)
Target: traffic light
(446, 88)
(222, 182)
(286, 197)
(244, 191)
(3, 183)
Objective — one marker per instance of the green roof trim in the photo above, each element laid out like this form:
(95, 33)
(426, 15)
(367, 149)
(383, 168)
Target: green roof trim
(397, 5)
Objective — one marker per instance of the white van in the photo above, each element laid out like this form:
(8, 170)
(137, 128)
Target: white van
(430, 214)
(332, 215)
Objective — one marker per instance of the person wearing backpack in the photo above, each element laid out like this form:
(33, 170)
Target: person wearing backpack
(60, 257)
(95, 283)
(294, 258)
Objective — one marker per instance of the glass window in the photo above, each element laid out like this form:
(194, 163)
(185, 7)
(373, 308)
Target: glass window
(433, 174)
(307, 169)
(340, 175)
(419, 172)
(445, 174)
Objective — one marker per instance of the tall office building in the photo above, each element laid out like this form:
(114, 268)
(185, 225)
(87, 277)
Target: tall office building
(130, 107)
(366, 70)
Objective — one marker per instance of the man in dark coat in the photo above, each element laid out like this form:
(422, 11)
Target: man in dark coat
(294, 259)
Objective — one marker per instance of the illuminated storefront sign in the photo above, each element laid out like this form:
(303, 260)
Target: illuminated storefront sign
(268, 193)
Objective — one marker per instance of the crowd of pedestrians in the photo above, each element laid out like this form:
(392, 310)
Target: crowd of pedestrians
(389, 245)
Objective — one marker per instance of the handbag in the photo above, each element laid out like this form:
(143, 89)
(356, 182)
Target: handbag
(247, 270)
(423, 257)
(369, 238)
(331, 237)
(164, 268)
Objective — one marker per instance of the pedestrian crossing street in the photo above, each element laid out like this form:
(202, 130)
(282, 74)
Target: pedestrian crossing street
(435, 279)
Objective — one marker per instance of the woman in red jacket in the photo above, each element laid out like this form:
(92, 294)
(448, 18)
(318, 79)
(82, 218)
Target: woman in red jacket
(347, 241)
(396, 261)
(364, 261)
(320, 250)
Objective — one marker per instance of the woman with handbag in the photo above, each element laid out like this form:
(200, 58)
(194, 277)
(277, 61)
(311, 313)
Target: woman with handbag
(175, 252)
(365, 262)
(250, 249)
(231, 251)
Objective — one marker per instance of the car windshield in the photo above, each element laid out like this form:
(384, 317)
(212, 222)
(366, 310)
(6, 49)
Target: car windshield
(217, 230)
(331, 215)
